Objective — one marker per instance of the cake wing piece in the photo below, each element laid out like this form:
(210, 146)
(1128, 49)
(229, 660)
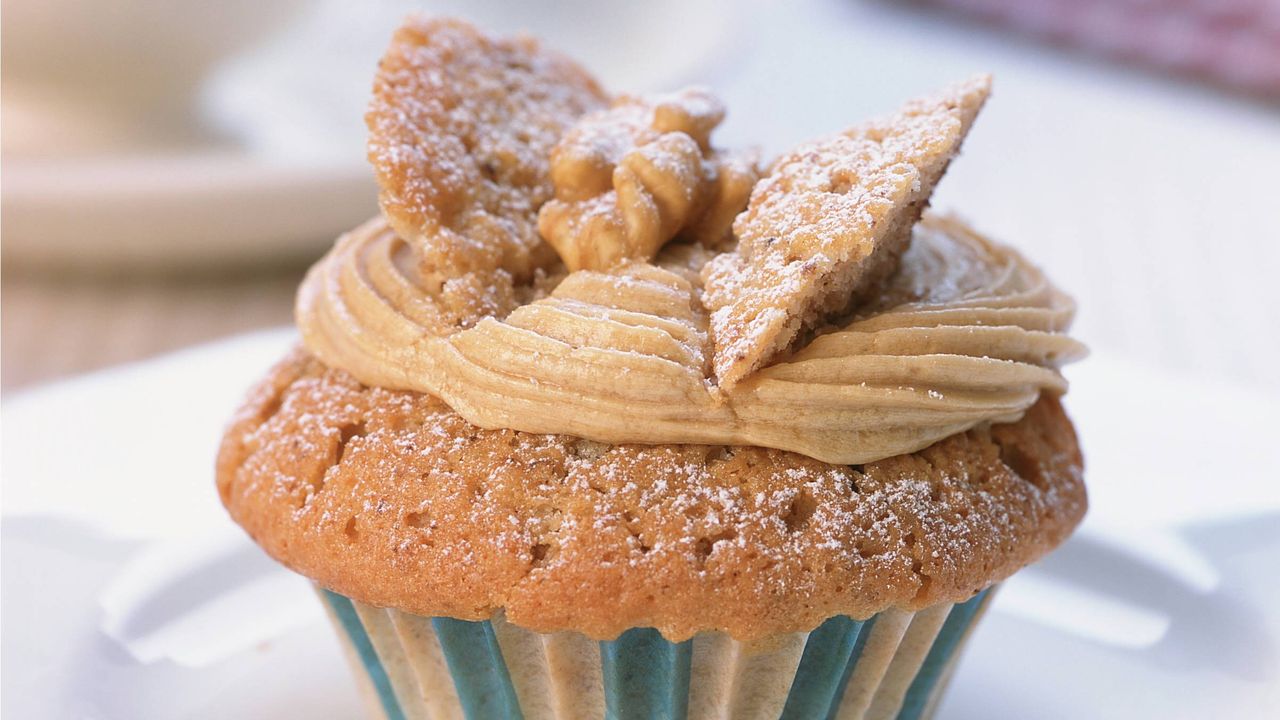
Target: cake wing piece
(827, 224)
(460, 129)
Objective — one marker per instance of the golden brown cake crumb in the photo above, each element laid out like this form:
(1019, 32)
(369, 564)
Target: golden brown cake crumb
(827, 224)
(394, 500)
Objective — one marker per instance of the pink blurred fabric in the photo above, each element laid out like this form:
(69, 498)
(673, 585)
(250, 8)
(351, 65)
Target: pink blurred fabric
(1230, 42)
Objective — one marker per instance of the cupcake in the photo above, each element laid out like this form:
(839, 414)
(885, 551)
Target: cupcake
(600, 419)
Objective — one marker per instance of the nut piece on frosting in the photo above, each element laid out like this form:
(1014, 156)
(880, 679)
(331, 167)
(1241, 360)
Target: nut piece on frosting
(827, 225)
(630, 178)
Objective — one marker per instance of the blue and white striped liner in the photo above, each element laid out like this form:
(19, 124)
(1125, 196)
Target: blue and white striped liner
(893, 665)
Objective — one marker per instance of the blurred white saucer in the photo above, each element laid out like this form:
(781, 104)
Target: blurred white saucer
(184, 210)
(108, 160)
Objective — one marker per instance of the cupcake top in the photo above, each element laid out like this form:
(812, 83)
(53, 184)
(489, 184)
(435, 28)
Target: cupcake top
(647, 323)
(590, 369)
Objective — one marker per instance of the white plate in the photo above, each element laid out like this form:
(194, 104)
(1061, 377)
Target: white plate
(128, 594)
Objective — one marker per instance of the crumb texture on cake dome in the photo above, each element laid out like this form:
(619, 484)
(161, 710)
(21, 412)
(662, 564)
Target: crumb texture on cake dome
(391, 498)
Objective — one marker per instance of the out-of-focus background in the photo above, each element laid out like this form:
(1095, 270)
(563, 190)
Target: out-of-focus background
(169, 169)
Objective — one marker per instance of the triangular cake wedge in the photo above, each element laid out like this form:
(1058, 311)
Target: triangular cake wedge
(827, 225)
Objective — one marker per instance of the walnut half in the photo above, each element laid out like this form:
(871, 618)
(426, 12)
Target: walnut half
(630, 178)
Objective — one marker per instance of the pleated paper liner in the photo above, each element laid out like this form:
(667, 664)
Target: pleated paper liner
(893, 665)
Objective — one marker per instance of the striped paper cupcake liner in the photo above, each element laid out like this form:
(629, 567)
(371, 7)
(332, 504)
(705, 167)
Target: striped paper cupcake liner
(893, 665)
